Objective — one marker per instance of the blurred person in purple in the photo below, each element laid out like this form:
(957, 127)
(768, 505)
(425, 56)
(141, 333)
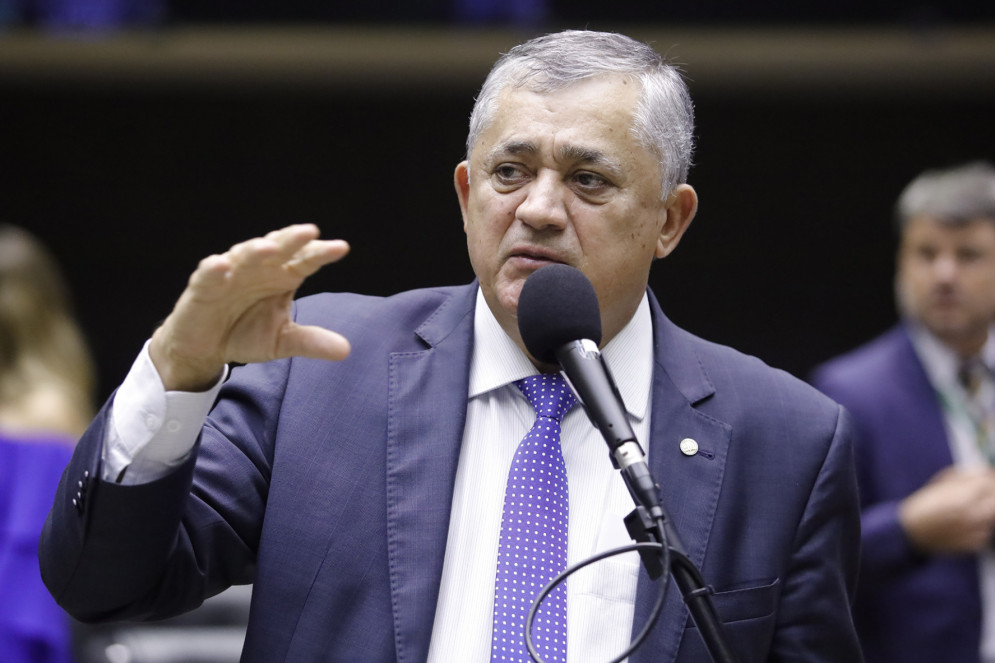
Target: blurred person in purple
(46, 385)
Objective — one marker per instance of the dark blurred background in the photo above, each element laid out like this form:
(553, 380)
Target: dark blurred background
(137, 137)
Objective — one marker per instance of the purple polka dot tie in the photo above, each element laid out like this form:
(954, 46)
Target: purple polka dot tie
(533, 547)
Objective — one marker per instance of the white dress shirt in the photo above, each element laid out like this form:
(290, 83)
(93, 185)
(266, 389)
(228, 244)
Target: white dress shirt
(601, 597)
(153, 431)
(941, 365)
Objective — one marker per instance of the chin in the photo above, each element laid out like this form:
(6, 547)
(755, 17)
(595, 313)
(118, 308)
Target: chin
(509, 306)
(507, 295)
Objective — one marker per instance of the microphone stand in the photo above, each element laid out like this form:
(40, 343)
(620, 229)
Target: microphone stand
(646, 526)
(589, 377)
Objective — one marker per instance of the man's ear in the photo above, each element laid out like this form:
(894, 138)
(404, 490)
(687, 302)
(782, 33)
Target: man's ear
(680, 209)
(461, 178)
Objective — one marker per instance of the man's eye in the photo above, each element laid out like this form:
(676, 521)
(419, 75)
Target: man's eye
(590, 180)
(968, 255)
(508, 172)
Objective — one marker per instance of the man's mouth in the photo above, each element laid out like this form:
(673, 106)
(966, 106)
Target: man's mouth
(535, 256)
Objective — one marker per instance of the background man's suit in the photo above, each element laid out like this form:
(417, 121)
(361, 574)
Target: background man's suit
(917, 608)
(353, 463)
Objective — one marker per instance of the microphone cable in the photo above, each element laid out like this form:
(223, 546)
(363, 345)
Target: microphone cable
(664, 548)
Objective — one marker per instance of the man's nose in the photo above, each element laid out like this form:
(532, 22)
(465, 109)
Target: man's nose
(545, 203)
(945, 268)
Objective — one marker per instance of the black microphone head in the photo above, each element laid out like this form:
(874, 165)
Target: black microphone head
(557, 305)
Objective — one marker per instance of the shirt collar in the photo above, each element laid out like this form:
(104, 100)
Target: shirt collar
(942, 363)
(497, 361)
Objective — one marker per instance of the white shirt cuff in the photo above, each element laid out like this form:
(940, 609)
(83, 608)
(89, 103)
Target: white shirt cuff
(152, 431)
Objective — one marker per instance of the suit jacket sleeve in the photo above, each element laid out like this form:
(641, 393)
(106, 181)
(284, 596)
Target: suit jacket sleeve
(822, 572)
(155, 550)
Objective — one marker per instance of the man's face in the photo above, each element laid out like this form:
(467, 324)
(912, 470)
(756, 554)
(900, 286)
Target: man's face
(560, 177)
(946, 279)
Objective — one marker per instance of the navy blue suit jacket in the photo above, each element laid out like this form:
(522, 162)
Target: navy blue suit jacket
(329, 485)
(909, 607)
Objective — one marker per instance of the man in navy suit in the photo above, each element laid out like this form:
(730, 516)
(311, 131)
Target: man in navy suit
(358, 484)
(923, 399)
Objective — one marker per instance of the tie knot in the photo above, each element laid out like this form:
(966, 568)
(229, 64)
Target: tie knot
(549, 394)
(971, 374)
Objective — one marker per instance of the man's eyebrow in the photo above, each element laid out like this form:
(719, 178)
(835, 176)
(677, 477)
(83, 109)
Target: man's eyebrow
(514, 148)
(588, 155)
(571, 153)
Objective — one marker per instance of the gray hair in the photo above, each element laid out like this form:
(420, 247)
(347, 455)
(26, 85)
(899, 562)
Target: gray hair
(664, 117)
(952, 196)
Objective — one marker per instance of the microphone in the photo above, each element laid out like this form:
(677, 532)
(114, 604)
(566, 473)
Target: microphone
(560, 323)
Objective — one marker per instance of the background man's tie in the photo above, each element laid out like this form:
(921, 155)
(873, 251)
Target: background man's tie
(533, 547)
(972, 374)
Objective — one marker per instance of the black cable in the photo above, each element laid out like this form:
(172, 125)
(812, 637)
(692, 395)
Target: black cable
(654, 615)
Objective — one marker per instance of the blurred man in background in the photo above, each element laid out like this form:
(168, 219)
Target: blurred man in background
(923, 398)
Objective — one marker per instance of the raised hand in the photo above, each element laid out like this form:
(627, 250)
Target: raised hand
(236, 308)
(953, 513)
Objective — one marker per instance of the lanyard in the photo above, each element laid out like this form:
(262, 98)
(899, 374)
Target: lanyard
(959, 406)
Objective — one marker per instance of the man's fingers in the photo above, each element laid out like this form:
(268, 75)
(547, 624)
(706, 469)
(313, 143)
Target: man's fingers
(287, 242)
(277, 246)
(254, 252)
(314, 342)
(290, 238)
(237, 305)
(210, 275)
(295, 248)
(315, 255)
(300, 249)
(950, 473)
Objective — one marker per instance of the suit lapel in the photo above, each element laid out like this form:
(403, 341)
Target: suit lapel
(924, 418)
(689, 484)
(426, 417)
